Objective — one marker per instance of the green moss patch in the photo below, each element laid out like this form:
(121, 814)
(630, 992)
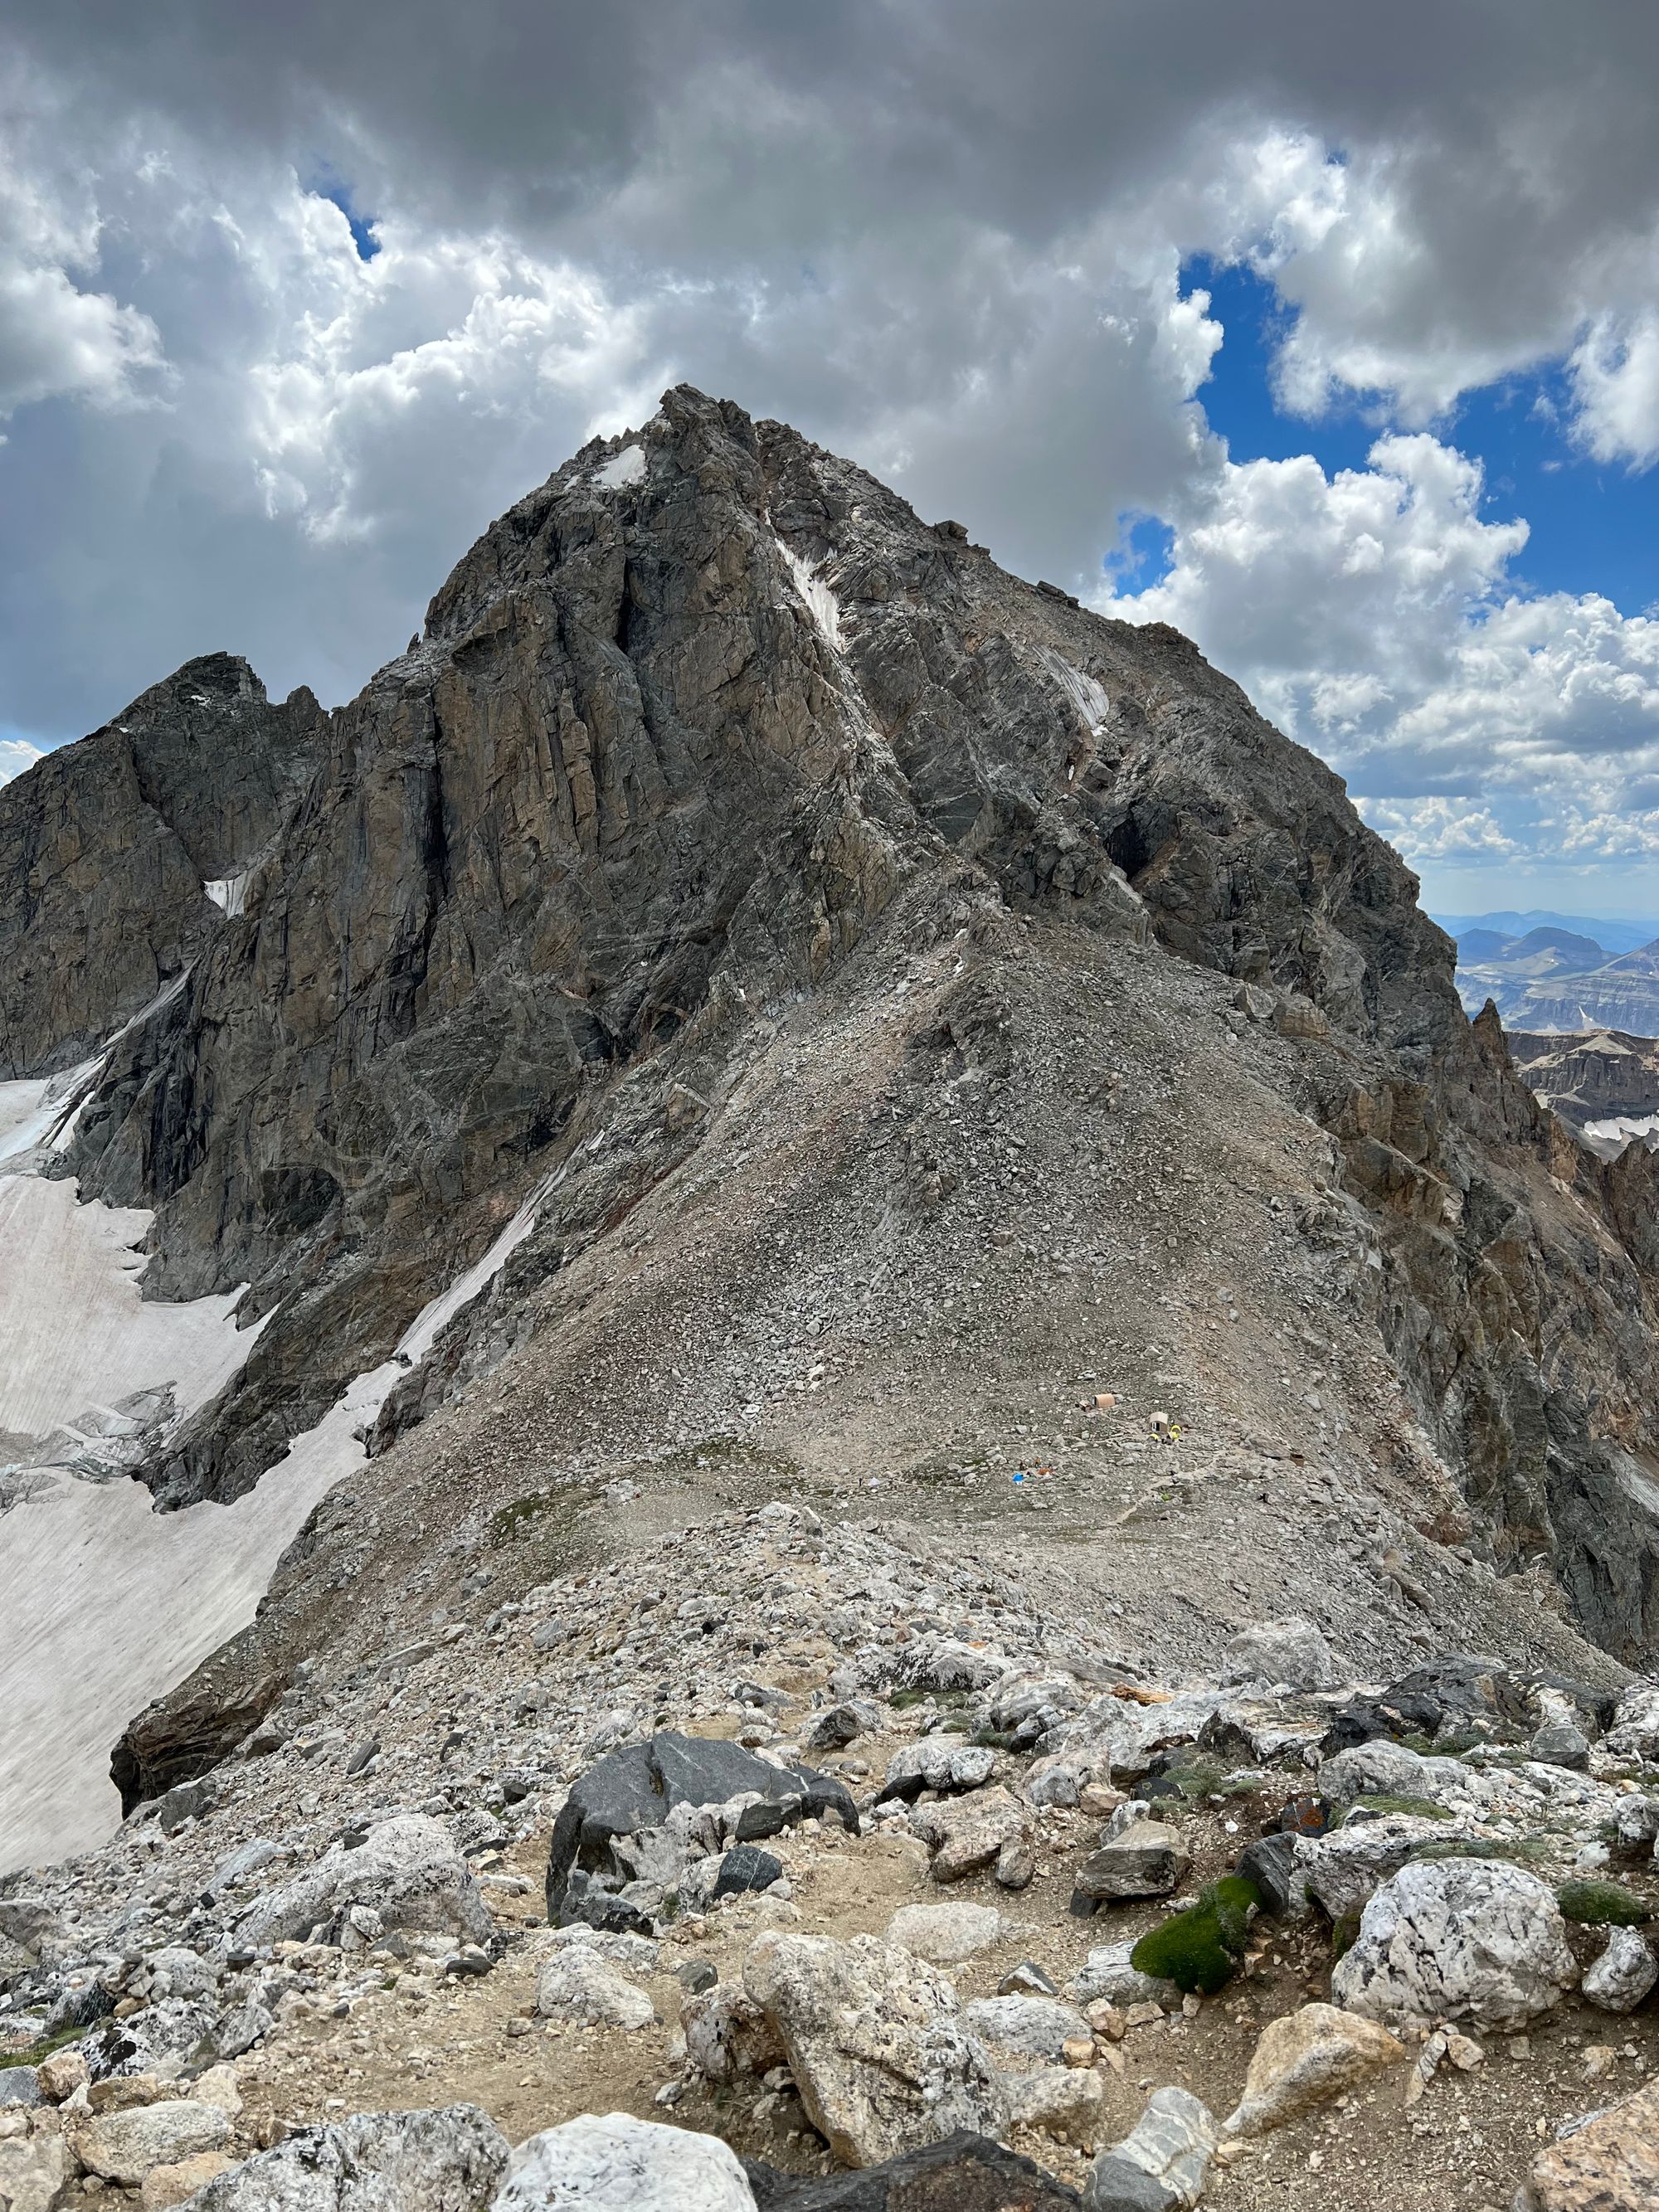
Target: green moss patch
(1199, 1949)
(1424, 1809)
(1602, 1903)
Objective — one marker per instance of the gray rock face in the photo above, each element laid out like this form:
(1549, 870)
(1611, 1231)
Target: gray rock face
(446, 2161)
(673, 744)
(407, 1870)
(1469, 1939)
(105, 847)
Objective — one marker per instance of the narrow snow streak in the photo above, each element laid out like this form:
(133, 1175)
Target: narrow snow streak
(1084, 693)
(822, 603)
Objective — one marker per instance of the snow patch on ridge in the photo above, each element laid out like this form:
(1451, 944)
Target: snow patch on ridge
(229, 893)
(821, 601)
(1086, 694)
(77, 1332)
(626, 467)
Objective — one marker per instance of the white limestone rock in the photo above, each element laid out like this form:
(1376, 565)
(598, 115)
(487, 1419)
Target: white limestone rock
(1475, 1940)
(619, 2164)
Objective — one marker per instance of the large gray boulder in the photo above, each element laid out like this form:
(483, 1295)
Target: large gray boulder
(1474, 1940)
(123, 2147)
(625, 1821)
(448, 2159)
(406, 1870)
(881, 2059)
(1026, 2026)
(619, 2164)
(1292, 1651)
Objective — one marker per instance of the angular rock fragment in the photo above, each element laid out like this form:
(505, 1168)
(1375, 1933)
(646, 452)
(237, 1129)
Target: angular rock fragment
(1160, 2165)
(449, 2159)
(1146, 1859)
(1300, 2060)
(882, 2061)
(1624, 1973)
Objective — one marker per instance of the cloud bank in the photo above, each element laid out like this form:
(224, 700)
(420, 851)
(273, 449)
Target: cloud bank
(953, 241)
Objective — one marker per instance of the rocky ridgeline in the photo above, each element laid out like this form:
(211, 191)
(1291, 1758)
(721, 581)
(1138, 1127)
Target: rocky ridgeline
(941, 1895)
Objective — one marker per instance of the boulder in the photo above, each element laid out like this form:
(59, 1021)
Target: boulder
(945, 1762)
(1610, 2163)
(1161, 2166)
(576, 1983)
(1344, 1869)
(966, 2172)
(448, 2159)
(1291, 1651)
(1457, 1939)
(20, 2085)
(34, 2169)
(727, 2034)
(1145, 1859)
(1309, 2055)
(882, 2062)
(1634, 1735)
(1270, 1864)
(1382, 1769)
(1561, 1743)
(1623, 1974)
(165, 2186)
(62, 2074)
(1107, 1973)
(632, 1795)
(1063, 2102)
(123, 2146)
(1026, 2026)
(1464, 1695)
(837, 1726)
(1635, 1827)
(619, 2164)
(990, 1828)
(745, 1868)
(945, 1934)
(407, 1869)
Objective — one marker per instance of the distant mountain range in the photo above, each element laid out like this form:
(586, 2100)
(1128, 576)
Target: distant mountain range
(1612, 936)
(1559, 973)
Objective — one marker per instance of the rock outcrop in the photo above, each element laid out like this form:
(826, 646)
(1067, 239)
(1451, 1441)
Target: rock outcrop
(122, 857)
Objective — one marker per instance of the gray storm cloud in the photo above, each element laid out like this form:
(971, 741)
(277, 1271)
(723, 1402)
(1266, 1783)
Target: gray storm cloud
(947, 239)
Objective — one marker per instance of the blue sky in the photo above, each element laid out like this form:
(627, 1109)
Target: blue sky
(1595, 527)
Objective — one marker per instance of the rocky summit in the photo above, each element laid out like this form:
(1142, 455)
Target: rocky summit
(792, 1421)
